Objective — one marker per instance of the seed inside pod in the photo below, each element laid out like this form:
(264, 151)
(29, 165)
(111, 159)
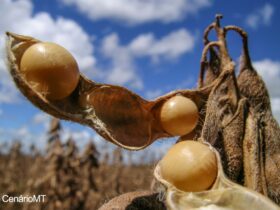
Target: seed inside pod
(179, 115)
(50, 70)
(190, 166)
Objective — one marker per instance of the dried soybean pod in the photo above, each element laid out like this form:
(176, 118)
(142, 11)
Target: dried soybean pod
(117, 114)
(261, 159)
(232, 134)
(224, 124)
(268, 128)
(223, 194)
(218, 62)
(225, 112)
(213, 67)
(270, 134)
(253, 87)
(212, 125)
(209, 70)
(250, 83)
(253, 163)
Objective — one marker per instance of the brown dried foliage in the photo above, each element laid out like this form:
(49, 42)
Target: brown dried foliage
(68, 178)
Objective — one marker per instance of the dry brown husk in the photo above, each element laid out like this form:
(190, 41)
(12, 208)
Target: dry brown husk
(240, 125)
(117, 114)
(262, 135)
(223, 195)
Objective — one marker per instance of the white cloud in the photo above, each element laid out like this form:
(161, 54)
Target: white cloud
(270, 72)
(170, 46)
(261, 16)
(41, 118)
(123, 70)
(275, 103)
(139, 11)
(16, 16)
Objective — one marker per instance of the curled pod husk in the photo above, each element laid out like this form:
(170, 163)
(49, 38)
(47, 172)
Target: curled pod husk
(223, 195)
(117, 114)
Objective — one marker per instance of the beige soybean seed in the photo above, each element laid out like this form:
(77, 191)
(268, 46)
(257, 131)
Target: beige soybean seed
(190, 166)
(179, 115)
(50, 70)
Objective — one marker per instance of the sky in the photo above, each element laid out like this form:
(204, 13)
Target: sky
(151, 47)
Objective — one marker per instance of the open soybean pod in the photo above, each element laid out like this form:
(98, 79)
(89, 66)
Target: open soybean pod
(117, 114)
(223, 194)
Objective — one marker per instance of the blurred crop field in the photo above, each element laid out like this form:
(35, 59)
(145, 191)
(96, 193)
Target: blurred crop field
(70, 178)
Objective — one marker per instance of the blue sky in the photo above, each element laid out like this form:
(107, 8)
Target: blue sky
(150, 47)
